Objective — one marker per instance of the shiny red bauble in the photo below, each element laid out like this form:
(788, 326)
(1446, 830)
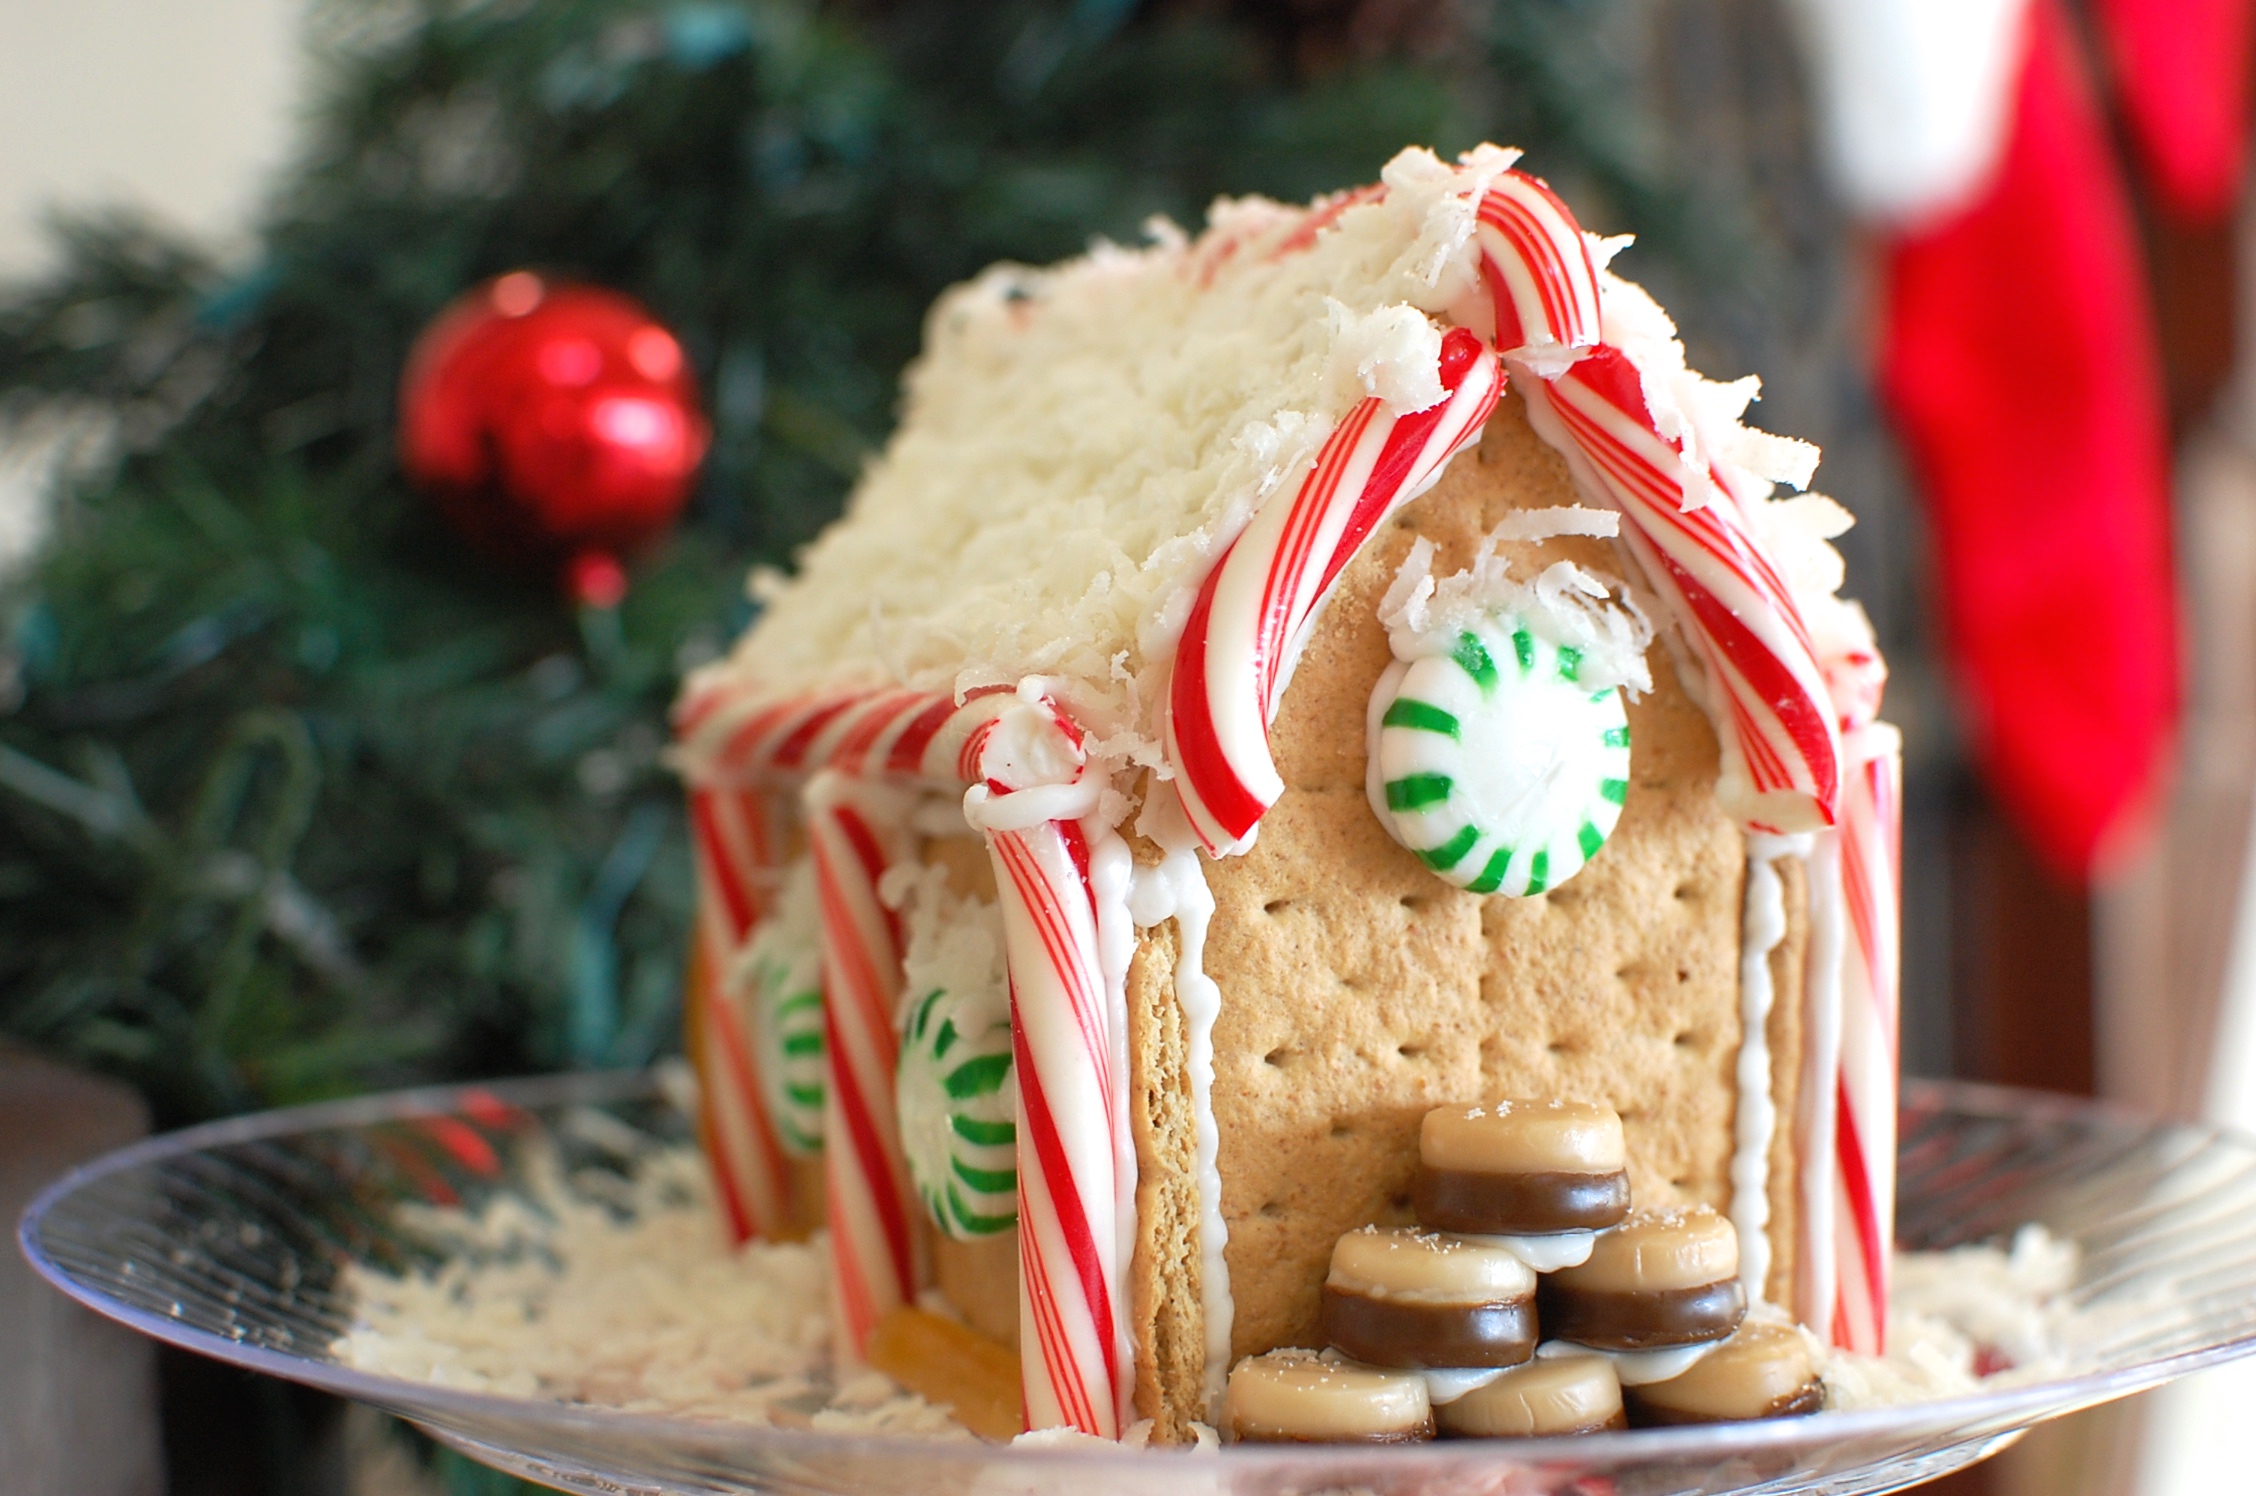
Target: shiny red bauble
(556, 425)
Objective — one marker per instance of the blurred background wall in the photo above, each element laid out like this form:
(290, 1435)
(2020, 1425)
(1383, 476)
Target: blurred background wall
(183, 108)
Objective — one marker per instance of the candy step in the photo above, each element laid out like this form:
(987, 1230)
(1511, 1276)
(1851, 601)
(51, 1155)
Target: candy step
(1415, 1336)
(1543, 1399)
(1763, 1371)
(1661, 1278)
(1517, 1204)
(1520, 1168)
(1521, 1137)
(1403, 1262)
(1643, 1321)
(1299, 1397)
(1414, 1299)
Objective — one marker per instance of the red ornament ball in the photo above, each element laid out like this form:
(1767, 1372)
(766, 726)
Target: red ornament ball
(556, 425)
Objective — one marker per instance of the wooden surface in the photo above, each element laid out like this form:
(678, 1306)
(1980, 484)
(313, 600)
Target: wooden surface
(78, 1397)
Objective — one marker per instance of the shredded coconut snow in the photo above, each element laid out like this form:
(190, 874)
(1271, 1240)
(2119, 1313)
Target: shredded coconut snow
(955, 942)
(1564, 603)
(642, 1309)
(1079, 443)
(1955, 1315)
(623, 1295)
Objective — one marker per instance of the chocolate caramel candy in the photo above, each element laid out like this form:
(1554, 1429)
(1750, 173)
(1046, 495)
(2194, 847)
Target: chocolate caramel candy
(1660, 1278)
(1416, 1298)
(1567, 1395)
(1299, 1397)
(1520, 1168)
(1764, 1371)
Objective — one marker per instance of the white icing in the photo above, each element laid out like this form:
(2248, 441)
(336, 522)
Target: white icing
(1024, 750)
(1023, 810)
(1177, 889)
(1446, 1386)
(1755, 1119)
(1635, 1368)
(1546, 1254)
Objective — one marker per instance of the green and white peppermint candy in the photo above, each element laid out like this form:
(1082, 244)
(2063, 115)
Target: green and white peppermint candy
(1494, 763)
(958, 1103)
(782, 972)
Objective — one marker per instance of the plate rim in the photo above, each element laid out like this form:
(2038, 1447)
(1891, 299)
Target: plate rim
(1967, 1417)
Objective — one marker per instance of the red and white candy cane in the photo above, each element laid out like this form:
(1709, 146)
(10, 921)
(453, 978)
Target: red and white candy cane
(745, 1157)
(734, 849)
(1075, 1351)
(1781, 767)
(1027, 758)
(1871, 843)
(737, 747)
(852, 829)
(1245, 626)
(743, 738)
(1541, 284)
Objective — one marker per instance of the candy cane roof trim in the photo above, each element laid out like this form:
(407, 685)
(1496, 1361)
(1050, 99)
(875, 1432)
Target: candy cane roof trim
(1080, 444)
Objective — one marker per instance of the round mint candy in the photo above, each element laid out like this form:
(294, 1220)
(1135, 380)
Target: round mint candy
(1494, 763)
(786, 1011)
(958, 1104)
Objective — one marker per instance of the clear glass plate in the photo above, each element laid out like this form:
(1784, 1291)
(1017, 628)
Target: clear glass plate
(230, 1239)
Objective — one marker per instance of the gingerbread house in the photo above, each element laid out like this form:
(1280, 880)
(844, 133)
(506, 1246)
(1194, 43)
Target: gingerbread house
(1275, 682)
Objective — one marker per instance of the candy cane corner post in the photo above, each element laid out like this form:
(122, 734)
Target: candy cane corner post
(853, 832)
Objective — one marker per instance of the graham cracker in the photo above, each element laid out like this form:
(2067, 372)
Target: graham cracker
(1359, 990)
(1167, 1316)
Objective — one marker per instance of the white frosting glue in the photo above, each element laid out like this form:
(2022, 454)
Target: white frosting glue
(1545, 1254)
(1177, 889)
(1635, 1368)
(1755, 1122)
(1444, 1387)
